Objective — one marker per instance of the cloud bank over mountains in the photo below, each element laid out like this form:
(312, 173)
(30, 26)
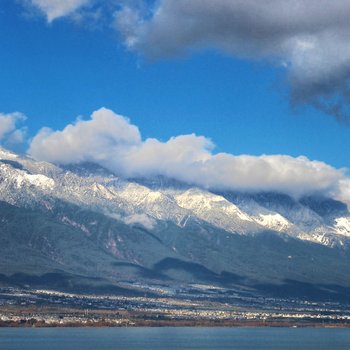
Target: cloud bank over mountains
(113, 142)
(307, 38)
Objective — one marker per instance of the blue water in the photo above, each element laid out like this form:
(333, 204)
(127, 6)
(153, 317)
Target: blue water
(174, 338)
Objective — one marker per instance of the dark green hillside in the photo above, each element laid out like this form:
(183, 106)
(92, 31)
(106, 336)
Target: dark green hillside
(72, 248)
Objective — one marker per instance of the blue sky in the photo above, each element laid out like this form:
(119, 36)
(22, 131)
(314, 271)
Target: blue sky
(54, 72)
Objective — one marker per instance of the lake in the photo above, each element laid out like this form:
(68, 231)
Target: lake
(174, 338)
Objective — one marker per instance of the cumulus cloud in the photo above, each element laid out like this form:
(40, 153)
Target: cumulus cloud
(9, 132)
(58, 8)
(308, 38)
(106, 133)
(113, 142)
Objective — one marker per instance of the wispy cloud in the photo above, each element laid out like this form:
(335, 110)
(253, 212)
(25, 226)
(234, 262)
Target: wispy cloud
(53, 9)
(9, 130)
(140, 219)
(113, 142)
(308, 38)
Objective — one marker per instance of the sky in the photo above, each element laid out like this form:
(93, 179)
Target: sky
(258, 85)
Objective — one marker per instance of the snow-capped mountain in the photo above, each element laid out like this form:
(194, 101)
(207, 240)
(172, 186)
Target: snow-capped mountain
(29, 183)
(180, 221)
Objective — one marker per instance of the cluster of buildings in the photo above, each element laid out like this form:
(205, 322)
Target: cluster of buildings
(55, 308)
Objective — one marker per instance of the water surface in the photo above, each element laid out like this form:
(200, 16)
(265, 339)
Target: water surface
(174, 338)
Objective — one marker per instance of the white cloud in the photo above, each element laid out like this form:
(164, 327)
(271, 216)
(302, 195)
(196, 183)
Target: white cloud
(8, 127)
(58, 8)
(141, 219)
(113, 142)
(17, 136)
(87, 140)
(308, 37)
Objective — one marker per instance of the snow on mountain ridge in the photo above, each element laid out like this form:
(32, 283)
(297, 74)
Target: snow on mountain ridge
(36, 180)
(342, 226)
(5, 154)
(273, 221)
(215, 210)
(25, 182)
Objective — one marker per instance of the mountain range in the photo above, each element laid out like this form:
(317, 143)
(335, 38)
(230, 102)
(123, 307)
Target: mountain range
(81, 226)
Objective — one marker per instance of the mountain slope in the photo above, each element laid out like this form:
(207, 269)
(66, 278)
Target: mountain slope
(86, 222)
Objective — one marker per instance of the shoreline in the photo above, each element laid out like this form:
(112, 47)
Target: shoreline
(173, 324)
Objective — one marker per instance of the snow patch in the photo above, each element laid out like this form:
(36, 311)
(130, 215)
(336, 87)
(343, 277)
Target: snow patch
(342, 226)
(75, 224)
(40, 181)
(5, 154)
(273, 221)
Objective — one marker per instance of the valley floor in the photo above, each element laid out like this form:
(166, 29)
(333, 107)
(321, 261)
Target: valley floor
(44, 308)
